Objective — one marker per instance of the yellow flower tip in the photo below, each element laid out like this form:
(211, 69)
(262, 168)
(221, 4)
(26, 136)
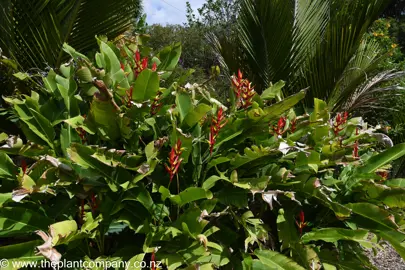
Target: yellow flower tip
(375, 34)
(394, 46)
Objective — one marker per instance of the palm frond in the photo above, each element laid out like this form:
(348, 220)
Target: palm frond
(371, 93)
(33, 32)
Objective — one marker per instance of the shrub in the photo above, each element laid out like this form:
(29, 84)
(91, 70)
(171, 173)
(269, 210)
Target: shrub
(113, 167)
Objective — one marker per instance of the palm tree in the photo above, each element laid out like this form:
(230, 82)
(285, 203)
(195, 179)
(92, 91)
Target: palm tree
(315, 43)
(33, 32)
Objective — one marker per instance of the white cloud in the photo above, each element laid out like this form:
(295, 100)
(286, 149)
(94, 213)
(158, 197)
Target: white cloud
(168, 11)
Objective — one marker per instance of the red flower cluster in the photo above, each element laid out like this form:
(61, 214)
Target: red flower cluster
(243, 89)
(339, 121)
(383, 174)
(24, 166)
(82, 132)
(280, 128)
(302, 223)
(156, 104)
(293, 127)
(356, 146)
(218, 122)
(174, 160)
(140, 65)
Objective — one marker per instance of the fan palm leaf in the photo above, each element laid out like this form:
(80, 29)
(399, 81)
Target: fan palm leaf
(315, 43)
(33, 32)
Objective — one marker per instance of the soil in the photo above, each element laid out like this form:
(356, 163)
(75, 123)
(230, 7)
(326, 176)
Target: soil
(387, 258)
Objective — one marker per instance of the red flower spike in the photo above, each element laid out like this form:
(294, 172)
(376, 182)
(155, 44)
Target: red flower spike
(140, 65)
(356, 146)
(279, 129)
(122, 66)
(154, 67)
(301, 223)
(339, 121)
(218, 122)
(293, 127)
(137, 56)
(174, 160)
(144, 63)
(243, 89)
(94, 202)
(152, 259)
(156, 104)
(24, 166)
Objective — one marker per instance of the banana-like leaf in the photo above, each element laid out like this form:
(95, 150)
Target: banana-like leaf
(276, 260)
(382, 159)
(20, 221)
(332, 235)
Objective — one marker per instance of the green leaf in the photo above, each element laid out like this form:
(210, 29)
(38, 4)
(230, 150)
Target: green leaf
(397, 182)
(135, 261)
(194, 116)
(273, 91)
(169, 57)
(20, 221)
(374, 217)
(146, 86)
(191, 194)
(37, 123)
(141, 195)
(184, 104)
(274, 111)
(5, 197)
(62, 230)
(22, 251)
(276, 260)
(396, 239)
(382, 159)
(332, 235)
(7, 168)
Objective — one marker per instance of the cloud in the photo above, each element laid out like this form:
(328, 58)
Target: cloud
(168, 11)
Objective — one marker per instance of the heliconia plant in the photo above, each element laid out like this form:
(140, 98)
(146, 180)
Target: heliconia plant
(257, 185)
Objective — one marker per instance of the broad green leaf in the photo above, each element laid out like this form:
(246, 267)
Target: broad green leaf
(332, 235)
(191, 194)
(195, 115)
(382, 159)
(274, 111)
(169, 57)
(7, 168)
(20, 221)
(62, 230)
(276, 260)
(135, 261)
(141, 195)
(397, 182)
(105, 118)
(5, 197)
(146, 86)
(273, 91)
(184, 104)
(38, 124)
(374, 217)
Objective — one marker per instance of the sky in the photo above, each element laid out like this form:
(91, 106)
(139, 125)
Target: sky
(168, 11)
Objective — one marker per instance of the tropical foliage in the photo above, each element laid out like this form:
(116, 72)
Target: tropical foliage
(111, 166)
(32, 33)
(317, 44)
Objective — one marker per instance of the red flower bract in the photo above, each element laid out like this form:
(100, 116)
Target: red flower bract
(156, 104)
(339, 121)
(218, 122)
(279, 129)
(243, 89)
(140, 65)
(174, 160)
(301, 223)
